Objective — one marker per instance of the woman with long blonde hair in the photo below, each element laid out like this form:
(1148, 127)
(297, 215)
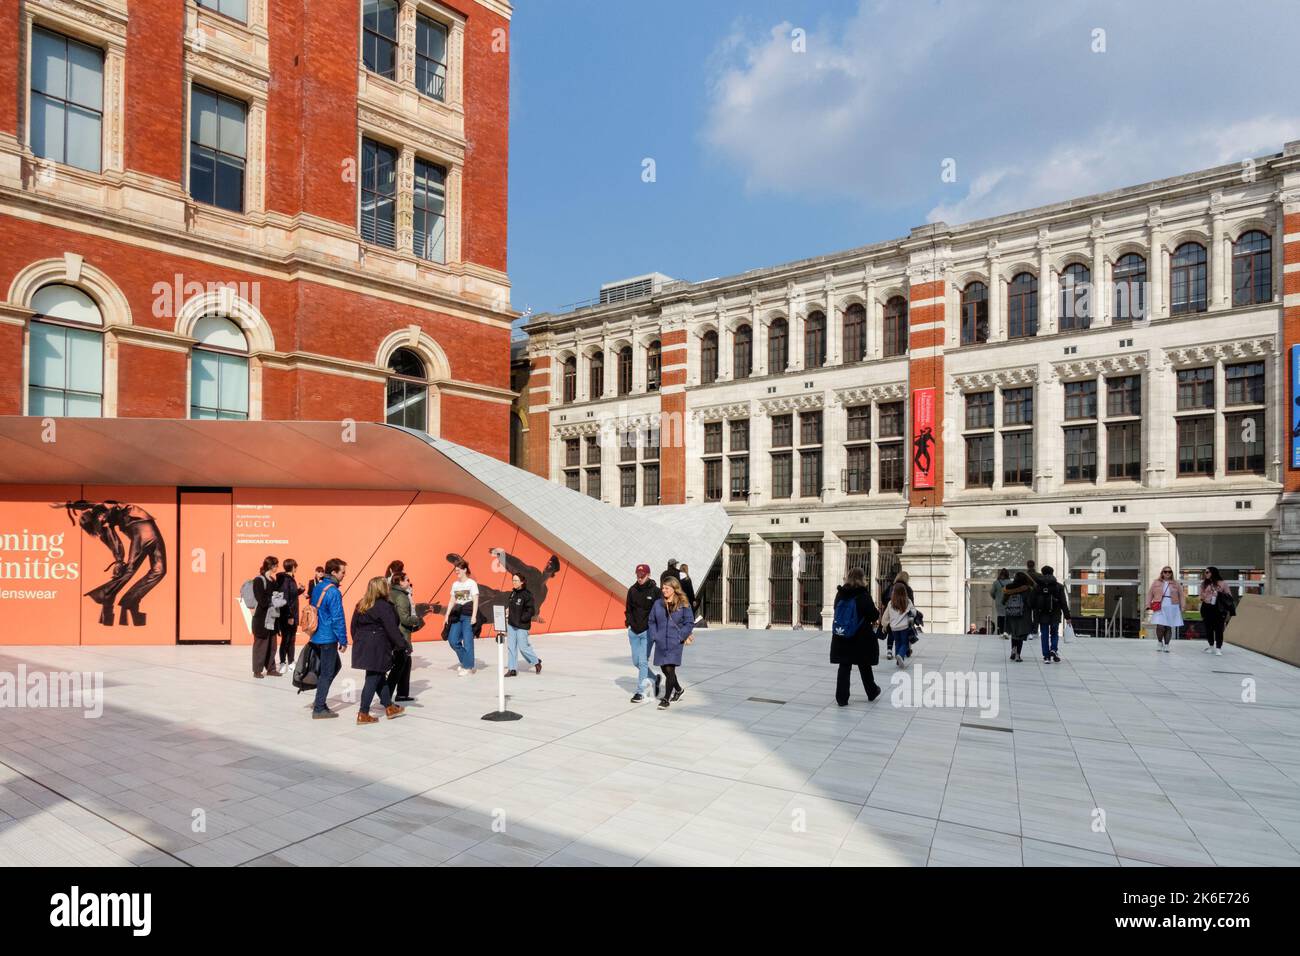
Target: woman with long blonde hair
(671, 623)
(376, 636)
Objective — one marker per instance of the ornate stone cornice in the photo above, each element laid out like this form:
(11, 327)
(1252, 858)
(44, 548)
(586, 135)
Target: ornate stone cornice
(865, 394)
(716, 413)
(1001, 377)
(1103, 365)
(780, 404)
(578, 429)
(103, 16)
(1214, 351)
(368, 115)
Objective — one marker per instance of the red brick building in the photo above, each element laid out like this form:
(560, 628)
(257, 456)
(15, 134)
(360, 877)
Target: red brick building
(213, 212)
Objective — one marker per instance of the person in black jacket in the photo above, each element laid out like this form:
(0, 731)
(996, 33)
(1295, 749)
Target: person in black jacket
(860, 648)
(641, 597)
(519, 618)
(1049, 604)
(684, 579)
(375, 637)
(671, 572)
(287, 624)
(264, 634)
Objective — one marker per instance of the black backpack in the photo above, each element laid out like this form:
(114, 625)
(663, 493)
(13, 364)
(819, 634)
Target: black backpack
(1045, 598)
(306, 670)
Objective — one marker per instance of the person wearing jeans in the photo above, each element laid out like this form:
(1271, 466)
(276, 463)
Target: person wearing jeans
(331, 632)
(519, 618)
(641, 597)
(461, 614)
(1049, 606)
(376, 638)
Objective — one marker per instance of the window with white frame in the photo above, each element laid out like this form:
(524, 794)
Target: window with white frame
(407, 402)
(430, 207)
(1123, 427)
(219, 371)
(218, 148)
(66, 354)
(67, 100)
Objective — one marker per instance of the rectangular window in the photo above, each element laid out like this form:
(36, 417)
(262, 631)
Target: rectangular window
(1196, 446)
(739, 431)
(1245, 384)
(430, 58)
(891, 420)
(859, 422)
(891, 467)
(782, 475)
(235, 9)
(573, 480)
(593, 450)
(378, 194)
(1124, 451)
(1195, 388)
(572, 452)
(218, 386)
(782, 431)
(857, 476)
(1124, 396)
(739, 478)
(713, 479)
(650, 485)
(1018, 458)
(979, 461)
(810, 474)
(650, 450)
(1080, 400)
(430, 221)
(1244, 437)
(713, 438)
(67, 100)
(627, 486)
(979, 410)
(627, 446)
(218, 141)
(66, 374)
(1017, 406)
(1081, 454)
(810, 428)
(379, 37)
(593, 482)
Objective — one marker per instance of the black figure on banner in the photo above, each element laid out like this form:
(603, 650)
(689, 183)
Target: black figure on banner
(111, 522)
(921, 457)
(535, 580)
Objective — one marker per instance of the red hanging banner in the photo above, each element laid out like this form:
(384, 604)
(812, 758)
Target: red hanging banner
(924, 443)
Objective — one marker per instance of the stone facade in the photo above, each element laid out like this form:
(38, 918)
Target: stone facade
(1180, 379)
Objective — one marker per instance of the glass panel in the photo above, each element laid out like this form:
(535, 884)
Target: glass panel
(232, 115)
(85, 76)
(234, 384)
(204, 376)
(66, 302)
(48, 351)
(203, 173)
(219, 332)
(47, 128)
(83, 406)
(43, 401)
(230, 183)
(49, 64)
(85, 362)
(203, 117)
(1239, 555)
(83, 139)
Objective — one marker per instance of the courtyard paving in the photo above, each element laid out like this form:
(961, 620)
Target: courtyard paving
(1117, 756)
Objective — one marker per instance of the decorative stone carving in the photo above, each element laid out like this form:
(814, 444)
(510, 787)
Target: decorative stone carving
(717, 413)
(1002, 378)
(779, 404)
(865, 394)
(1214, 351)
(1104, 365)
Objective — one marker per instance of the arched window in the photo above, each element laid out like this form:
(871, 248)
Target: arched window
(596, 375)
(407, 402)
(570, 379)
(814, 340)
(1076, 297)
(974, 314)
(896, 326)
(625, 370)
(1022, 306)
(855, 333)
(1130, 278)
(219, 371)
(742, 352)
(1188, 279)
(66, 361)
(778, 346)
(653, 366)
(709, 358)
(1252, 269)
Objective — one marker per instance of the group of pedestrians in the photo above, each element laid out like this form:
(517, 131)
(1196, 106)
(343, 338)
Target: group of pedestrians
(1167, 600)
(1031, 601)
(661, 616)
(858, 627)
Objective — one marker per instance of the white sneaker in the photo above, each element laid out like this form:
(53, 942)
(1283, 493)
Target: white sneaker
(461, 672)
(1218, 652)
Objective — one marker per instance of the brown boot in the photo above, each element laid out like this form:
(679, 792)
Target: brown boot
(366, 718)
(392, 710)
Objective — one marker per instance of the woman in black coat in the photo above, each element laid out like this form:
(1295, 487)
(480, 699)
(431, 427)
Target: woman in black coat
(287, 624)
(375, 636)
(264, 635)
(860, 648)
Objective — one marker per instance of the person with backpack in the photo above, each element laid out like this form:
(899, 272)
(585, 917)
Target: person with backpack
(376, 638)
(1020, 618)
(853, 639)
(331, 634)
(399, 595)
(641, 597)
(1217, 605)
(287, 625)
(899, 622)
(462, 612)
(885, 596)
(1167, 600)
(997, 592)
(519, 619)
(264, 607)
(671, 623)
(1050, 604)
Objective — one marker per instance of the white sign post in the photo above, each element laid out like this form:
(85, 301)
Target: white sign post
(499, 625)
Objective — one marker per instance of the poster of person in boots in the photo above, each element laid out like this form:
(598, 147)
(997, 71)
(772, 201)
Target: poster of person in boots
(132, 537)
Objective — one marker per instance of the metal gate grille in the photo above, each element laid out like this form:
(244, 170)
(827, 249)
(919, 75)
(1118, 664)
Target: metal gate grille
(710, 596)
(887, 566)
(738, 583)
(857, 554)
(781, 583)
(810, 584)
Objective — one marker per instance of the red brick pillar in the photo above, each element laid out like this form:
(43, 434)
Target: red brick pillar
(539, 417)
(672, 418)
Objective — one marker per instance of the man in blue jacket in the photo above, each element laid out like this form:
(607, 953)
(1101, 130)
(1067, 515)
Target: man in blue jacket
(331, 635)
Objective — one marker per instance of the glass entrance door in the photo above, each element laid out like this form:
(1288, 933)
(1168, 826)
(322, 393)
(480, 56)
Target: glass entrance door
(985, 557)
(1104, 583)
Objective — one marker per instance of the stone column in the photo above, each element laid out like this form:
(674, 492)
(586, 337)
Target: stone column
(874, 330)
(1220, 425)
(997, 303)
(1155, 269)
(1220, 257)
(406, 199)
(760, 459)
(1049, 411)
(1099, 298)
(759, 561)
(1046, 287)
(834, 432)
(406, 43)
(834, 328)
(760, 342)
(834, 555)
(1159, 436)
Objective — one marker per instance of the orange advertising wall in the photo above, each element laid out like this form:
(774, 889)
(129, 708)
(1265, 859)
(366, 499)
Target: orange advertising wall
(133, 565)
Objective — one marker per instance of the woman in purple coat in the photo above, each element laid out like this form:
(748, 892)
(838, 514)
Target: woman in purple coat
(671, 623)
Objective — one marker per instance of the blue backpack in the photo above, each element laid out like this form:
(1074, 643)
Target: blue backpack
(847, 621)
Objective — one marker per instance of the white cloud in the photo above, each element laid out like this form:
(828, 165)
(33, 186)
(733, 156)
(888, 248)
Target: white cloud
(1009, 89)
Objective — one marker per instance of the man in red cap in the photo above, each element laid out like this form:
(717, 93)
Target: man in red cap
(641, 598)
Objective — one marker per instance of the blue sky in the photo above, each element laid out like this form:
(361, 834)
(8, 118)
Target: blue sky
(767, 149)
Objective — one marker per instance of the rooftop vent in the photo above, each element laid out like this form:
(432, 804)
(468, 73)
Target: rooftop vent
(638, 287)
